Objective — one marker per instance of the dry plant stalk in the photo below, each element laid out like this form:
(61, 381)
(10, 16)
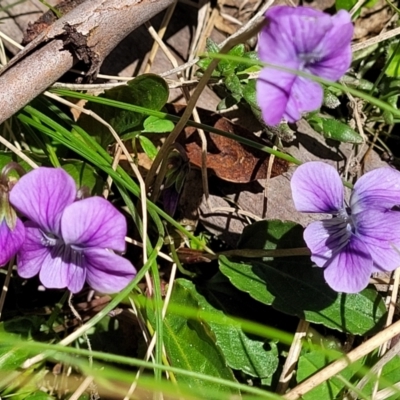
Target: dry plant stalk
(89, 33)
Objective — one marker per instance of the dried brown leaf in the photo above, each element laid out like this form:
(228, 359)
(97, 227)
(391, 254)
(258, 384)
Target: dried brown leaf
(229, 159)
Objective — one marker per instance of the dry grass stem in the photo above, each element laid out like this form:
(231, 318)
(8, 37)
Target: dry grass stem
(11, 41)
(292, 357)
(196, 118)
(138, 244)
(152, 343)
(6, 284)
(378, 39)
(18, 152)
(161, 32)
(338, 365)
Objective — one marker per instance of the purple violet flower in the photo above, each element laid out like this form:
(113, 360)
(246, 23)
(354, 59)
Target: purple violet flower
(363, 237)
(69, 242)
(12, 230)
(303, 39)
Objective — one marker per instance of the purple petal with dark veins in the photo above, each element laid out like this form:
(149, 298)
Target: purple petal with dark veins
(32, 253)
(94, 222)
(380, 232)
(326, 238)
(349, 270)
(107, 272)
(379, 188)
(42, 195)
(317, 188)
(63, 268)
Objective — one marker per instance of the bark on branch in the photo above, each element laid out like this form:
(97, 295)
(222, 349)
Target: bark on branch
(89, 32)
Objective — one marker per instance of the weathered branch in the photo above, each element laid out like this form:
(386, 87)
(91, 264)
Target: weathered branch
(89, 32)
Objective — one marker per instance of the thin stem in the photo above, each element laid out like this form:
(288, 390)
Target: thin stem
(6, 285)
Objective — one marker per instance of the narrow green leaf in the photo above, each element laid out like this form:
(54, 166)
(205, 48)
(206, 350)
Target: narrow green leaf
(148, 147)
(393, 69)
(335, 130)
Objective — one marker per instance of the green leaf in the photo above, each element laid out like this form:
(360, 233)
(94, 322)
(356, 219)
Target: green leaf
(39, 395)
(227, 102)
(335, 130)
(389, 377)
(189, 345)
(292, 285)
(300, 290)
(345, 4)
(83, 174)
(227, 67)
(157, 125)
(244, 67)
(349, 4)
(250, 95)
(249, 354)
(393, 69)
(233, 84)
(211, 46)
(330, 100)
(147, 90)
(314, 361)
(148, 147)
(6, 157)
(11, 357)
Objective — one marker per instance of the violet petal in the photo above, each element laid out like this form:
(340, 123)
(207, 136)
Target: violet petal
(298, 103)
(42, 194)
(10, 240)
(94, 222)
(303, 26)
(326, 238)
(350, 269)
(334, 50)
(63, 268)
(380, 232)
(317, 188)
(379, 188)
(32, 254)
(107, 272)
(273, 91)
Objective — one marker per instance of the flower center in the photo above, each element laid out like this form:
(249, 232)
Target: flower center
(345, 215)
(309, 58)
(68, 252)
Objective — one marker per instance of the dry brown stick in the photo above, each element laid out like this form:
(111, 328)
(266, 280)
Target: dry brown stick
(89, 32)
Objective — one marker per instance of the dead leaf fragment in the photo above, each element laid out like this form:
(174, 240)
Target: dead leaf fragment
(229, 159)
